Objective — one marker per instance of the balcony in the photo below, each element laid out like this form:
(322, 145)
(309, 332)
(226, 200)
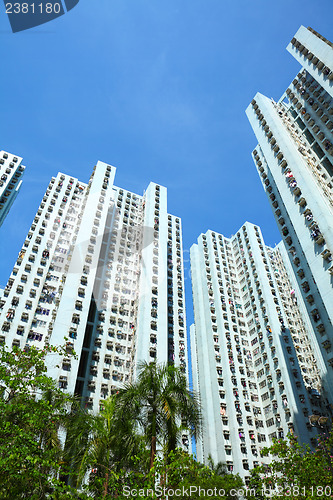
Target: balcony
(153, 325)
(326, 254)
(300, 273)
(89, 401)
(62, 382)
(69, 347)
(310, 299)
(76, 318)
(326, 344)
(66, 363)
(319, 239)
(321, 328)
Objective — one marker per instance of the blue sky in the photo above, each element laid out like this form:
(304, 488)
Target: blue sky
(157, 88)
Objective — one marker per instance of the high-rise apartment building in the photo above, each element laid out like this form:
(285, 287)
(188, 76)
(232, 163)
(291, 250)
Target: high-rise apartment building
(294, 159)
(11, 172)
(102, 267)
(252, 359)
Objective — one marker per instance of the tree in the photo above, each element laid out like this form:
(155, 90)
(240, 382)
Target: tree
(220, 469)
(296, 470)
(78, 428)
(32, 410)
(176, 475)
(162, 405)
(180, 471)
(102, 453)
(101, 446)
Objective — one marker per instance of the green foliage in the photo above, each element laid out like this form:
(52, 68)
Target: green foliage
(103, 456)
(177, 472)
(153, 411)
(162, 405)
(295, 470)
(32, 410)
(220, 468)
(182, 472)
(104, 445)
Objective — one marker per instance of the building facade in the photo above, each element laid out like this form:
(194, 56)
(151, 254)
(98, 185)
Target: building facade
(101, 272)
(11, 172)
(252, 360)
(294, 159)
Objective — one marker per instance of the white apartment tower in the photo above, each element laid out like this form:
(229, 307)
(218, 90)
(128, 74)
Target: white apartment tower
(252, 360)
(294, 159)
(11, 172)
(103, 268)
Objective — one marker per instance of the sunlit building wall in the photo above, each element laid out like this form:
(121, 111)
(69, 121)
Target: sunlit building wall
(100, 272)
(252, 360)
(294, 159)
(11, 172)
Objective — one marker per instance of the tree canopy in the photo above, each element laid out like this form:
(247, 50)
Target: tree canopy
(52, 447)
(32, 411)
(296, 470)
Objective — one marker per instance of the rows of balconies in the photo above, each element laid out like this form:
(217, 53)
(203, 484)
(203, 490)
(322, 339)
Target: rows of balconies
(313, 165)
(321, 107)
(316, 234)
(315, 61)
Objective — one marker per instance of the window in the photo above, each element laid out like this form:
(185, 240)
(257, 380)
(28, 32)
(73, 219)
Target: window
(266, 395)
(6, 326)
(76, 318)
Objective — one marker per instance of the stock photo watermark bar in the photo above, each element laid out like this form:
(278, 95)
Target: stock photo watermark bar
(196, 491)
(27, 14)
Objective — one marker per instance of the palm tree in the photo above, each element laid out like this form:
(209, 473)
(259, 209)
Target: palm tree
(78, 428)
(162, 405)
(58, 403)
(220, 469)
(104, 443)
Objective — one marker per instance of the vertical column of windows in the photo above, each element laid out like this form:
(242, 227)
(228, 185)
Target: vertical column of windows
(45, 280)
(10, 172)
(154, 274)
